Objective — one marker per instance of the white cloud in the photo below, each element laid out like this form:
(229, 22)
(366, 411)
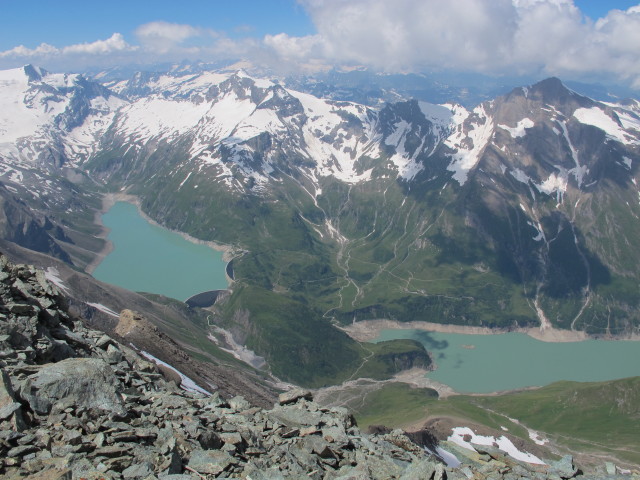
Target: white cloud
(295, 48)
(490, 36)
(163, 37)
(110, 46)
(23, 52)
(526, 37)
(115, 43)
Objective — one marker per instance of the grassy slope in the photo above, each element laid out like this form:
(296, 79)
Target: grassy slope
(599, 417)
(302, 347)
(405, 253)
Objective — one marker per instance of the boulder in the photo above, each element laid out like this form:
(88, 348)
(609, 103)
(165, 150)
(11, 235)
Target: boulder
(9, 407)
(79, 382)
(210, 462)
(564, 468)
(294, 395)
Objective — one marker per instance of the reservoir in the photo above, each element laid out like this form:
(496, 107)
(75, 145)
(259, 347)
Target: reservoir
(149, 258)
(491, 363)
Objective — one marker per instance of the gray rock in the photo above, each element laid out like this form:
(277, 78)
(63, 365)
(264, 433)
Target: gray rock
(9, 407)
(138, 470)
(210, 462)
(420, 470)
(239, 404)
(7, 410)
(22, 450)
(294, 417)
(294, 395)
(564, 467)
(83, 382)
(53, 474)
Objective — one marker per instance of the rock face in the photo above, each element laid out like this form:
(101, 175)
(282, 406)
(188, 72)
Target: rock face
(74, 403)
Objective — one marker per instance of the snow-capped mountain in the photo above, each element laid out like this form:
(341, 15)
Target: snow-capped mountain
(243, 128)
(51, 118)
(523, 209)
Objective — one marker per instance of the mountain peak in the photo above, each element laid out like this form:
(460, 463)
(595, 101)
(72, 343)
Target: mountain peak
(553, 91)
(34, 73)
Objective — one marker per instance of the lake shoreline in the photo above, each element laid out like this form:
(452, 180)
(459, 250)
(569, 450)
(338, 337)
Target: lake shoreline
(110, 199)
(369, 330)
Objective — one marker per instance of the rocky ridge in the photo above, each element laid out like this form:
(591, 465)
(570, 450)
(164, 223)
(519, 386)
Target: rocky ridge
(75, 403)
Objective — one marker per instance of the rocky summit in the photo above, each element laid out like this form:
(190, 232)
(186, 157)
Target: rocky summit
(76, 403)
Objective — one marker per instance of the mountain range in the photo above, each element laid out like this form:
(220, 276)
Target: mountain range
(521, 211)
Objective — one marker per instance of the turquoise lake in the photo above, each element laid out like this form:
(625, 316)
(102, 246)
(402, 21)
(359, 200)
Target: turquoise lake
(492, 363)
(149, 258)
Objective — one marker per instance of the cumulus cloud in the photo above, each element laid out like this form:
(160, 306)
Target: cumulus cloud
(115, 43)
(488, 36)
(162, 37)
(523, 37)
(111, 50)
(295, 48)
(23, 52)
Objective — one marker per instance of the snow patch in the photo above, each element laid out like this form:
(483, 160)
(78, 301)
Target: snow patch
(502, 443)
(537, 439)
(520, 176)
(467, 157)
(598, 118)
(52, 274)
(519, 130)
(102, 308)
(185, 179)
(186, 383)
(240, 352)
(556, 182)
(406, 164)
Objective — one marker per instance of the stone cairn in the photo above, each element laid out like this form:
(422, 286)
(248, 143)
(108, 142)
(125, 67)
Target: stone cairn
(77, 404)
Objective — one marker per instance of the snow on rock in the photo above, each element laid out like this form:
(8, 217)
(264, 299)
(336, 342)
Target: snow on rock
(629, 120)
(39, 108)
(443, 117)
(52, 274)
(596, 117)
(556, 182)
(102, 308)
(406, 164)
(579, 171)
(327, 141)
(82, 139)
(537, 438)
(25, 110)
(520, 176)
(469, 145)
(186, 383)
(461, 434)
(240, 352)
(152, 117)
(520, 128)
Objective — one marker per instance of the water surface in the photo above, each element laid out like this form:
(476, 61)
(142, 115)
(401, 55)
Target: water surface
(491, 363)
(149, 258)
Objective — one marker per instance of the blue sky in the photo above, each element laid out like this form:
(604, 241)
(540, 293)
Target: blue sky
(575, 39)
(67, 22)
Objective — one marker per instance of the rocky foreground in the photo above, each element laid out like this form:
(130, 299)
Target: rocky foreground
(76, 403)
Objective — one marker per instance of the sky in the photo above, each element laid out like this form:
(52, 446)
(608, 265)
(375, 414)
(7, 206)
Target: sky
(587, 40)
